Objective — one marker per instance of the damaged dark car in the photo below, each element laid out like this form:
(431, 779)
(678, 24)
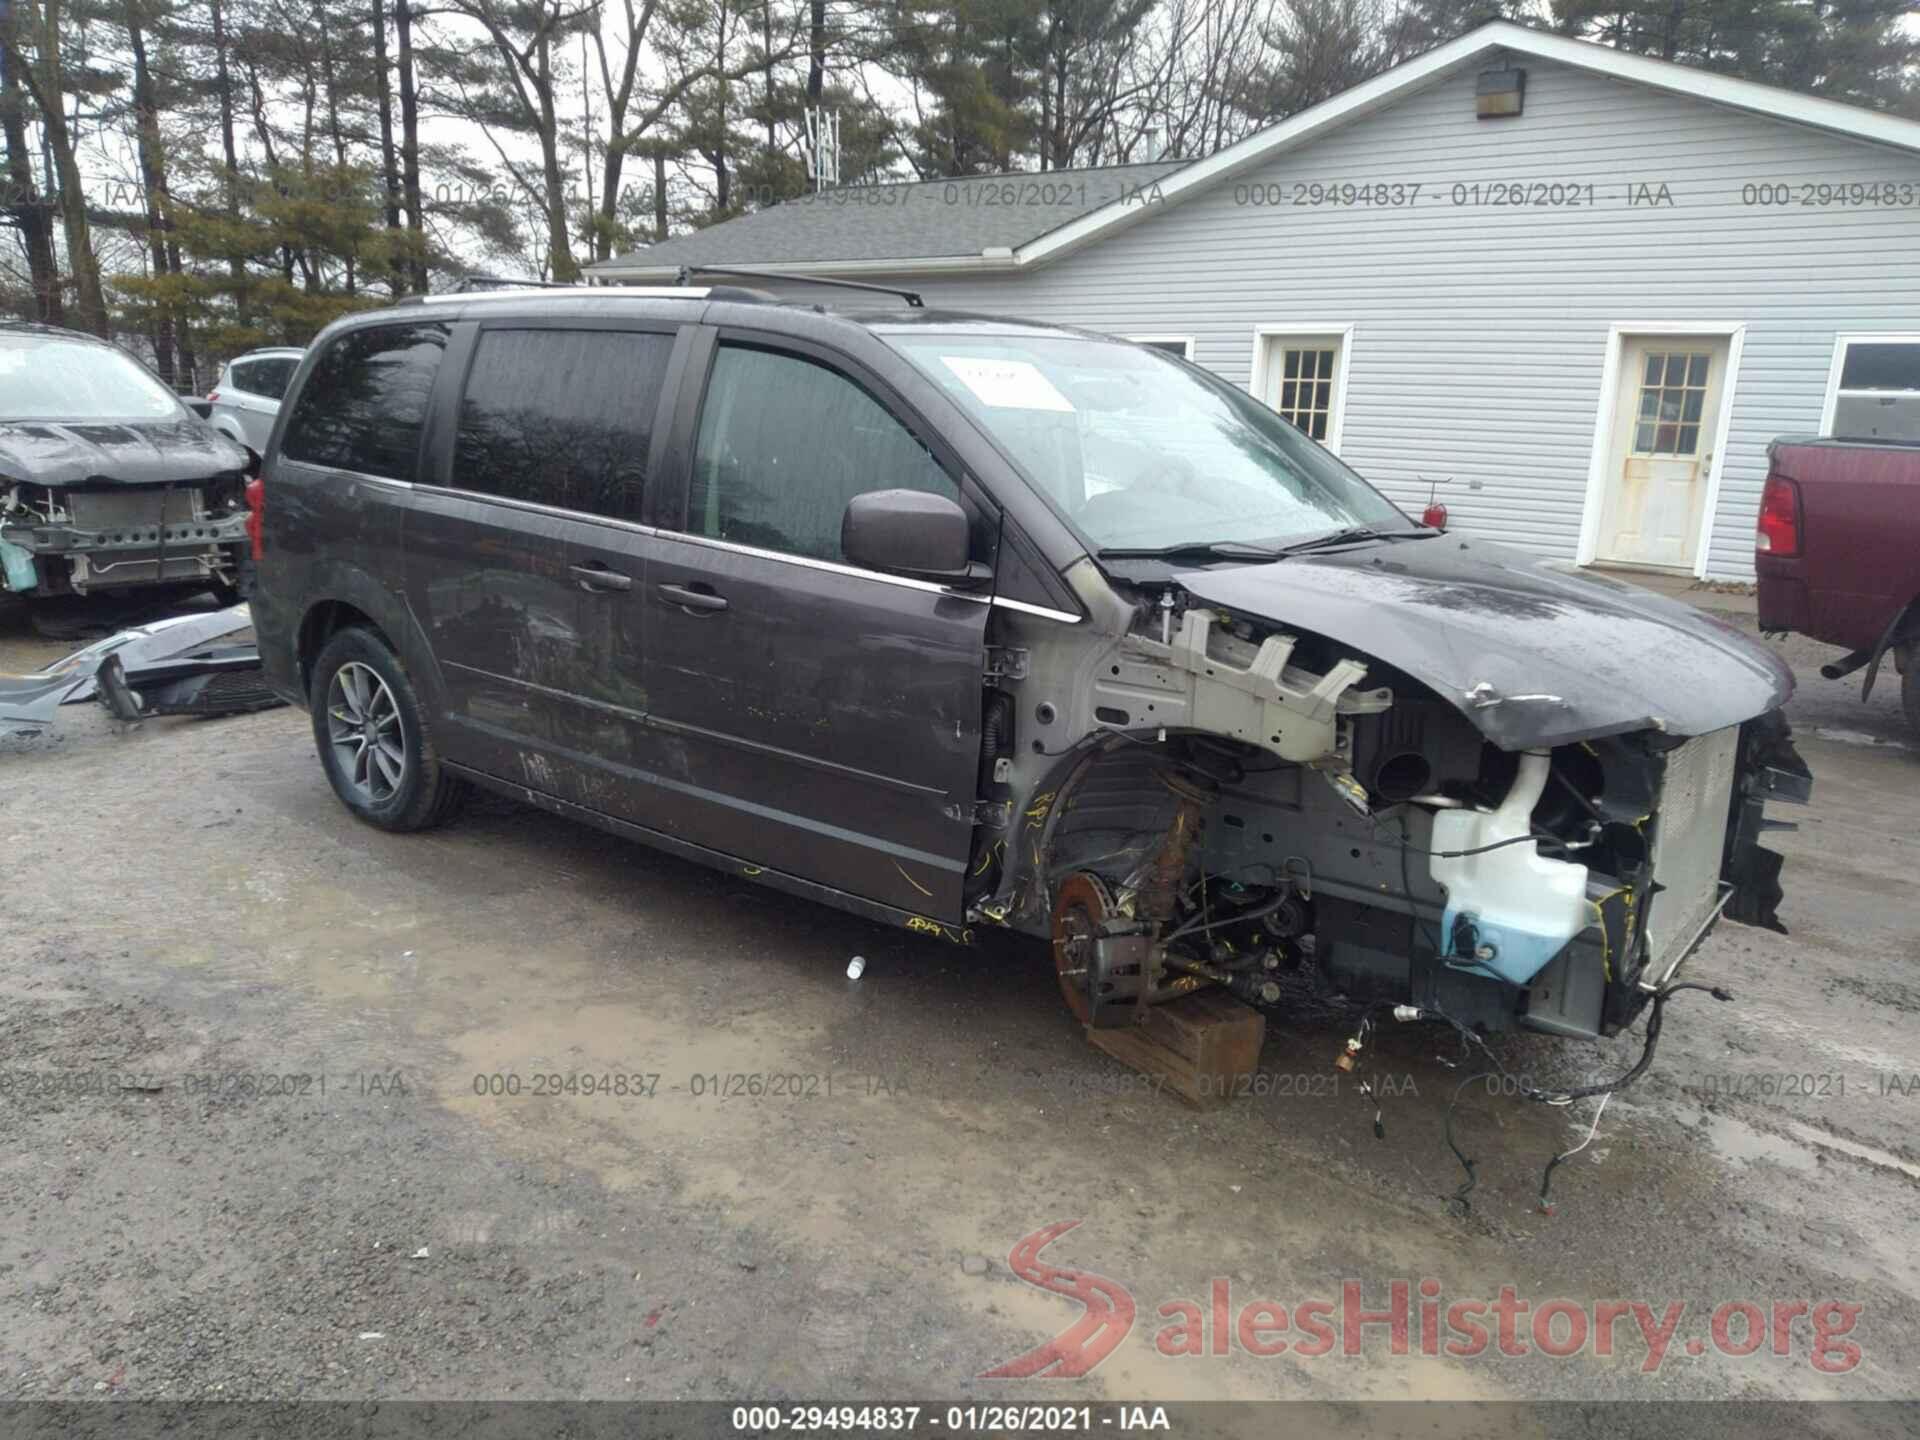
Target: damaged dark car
(961, 622)
(108, 482)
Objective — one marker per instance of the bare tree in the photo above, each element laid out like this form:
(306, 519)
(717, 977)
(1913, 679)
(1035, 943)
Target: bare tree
(33, 47)
(526, 38)
(410, 141)
(1086, 81)
(1206, 50)
(1319, 48)
(153, 184)
(31, 211)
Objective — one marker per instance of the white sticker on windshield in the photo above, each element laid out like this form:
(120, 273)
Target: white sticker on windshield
(1007, 384)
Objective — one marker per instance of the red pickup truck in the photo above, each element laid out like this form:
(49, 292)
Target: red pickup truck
(1838, 553)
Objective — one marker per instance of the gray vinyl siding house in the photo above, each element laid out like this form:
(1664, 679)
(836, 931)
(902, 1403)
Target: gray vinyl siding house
(1588, 322)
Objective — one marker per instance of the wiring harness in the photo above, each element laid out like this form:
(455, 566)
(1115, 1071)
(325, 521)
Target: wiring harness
(1471, 1041)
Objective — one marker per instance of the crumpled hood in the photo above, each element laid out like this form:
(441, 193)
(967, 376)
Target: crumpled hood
(102, 452)
(1532, 654)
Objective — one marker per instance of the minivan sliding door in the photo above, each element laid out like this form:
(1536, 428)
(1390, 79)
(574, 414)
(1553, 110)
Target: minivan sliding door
(527, 564)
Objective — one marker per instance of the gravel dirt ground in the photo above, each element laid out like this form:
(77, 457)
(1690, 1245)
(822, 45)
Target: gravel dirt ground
(258, 1138)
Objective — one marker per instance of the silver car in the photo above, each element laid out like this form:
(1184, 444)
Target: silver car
(246, 397)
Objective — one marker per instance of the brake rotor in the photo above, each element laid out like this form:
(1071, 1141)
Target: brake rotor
(1081, 906)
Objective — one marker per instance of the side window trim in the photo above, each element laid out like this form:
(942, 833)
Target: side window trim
(695, 366)
(443, 415)
(984, 513)
(669, 459)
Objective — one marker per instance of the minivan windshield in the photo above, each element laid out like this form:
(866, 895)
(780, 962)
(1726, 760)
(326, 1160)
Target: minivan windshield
(43, 377)
(1143, 453)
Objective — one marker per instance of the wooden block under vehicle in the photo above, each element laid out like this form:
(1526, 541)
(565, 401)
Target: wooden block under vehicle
(1200, 1046)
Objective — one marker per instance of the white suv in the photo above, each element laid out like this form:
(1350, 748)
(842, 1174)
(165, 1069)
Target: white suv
(246, 397)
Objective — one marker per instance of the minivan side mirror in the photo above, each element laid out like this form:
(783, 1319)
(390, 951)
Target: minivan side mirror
(202, 408)
(909, 532)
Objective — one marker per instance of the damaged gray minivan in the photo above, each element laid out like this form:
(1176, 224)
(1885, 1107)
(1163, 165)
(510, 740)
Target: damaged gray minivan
(959, 622)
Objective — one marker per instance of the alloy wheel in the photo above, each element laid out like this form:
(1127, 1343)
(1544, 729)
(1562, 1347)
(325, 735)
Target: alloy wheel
(363, 726)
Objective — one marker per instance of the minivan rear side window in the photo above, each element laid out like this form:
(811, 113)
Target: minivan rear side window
(785, 444)
(365, 403)
(562, 417)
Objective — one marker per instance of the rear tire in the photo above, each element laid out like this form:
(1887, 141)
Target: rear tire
(373, 738)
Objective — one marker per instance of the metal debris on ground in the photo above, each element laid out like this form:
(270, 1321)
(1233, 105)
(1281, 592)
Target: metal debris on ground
(170, 667)
(221, 680)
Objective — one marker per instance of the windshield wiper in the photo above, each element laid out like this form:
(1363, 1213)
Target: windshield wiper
(1202, 549)
(1351, 533)
(1247, 550)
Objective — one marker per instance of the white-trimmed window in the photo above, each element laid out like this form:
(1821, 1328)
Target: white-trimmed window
(1181, 345)
(1873, 390)
(1673, 394)
(1301, 372)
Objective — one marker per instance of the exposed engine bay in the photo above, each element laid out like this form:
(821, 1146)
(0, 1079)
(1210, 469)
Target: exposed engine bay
(1218, 801)
(94, 506)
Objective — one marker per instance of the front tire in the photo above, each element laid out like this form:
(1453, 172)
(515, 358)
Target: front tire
(372, 735)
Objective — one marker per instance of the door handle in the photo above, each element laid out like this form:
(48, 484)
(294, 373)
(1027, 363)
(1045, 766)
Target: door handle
(598, 577)
(690, 599)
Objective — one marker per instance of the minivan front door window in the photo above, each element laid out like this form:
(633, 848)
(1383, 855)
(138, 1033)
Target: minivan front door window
(1140, 452)
(785, 444)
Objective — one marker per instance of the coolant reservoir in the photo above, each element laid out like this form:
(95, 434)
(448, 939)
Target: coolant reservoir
(1523, 907)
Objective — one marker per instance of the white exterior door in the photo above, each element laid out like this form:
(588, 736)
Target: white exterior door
(1665, 418)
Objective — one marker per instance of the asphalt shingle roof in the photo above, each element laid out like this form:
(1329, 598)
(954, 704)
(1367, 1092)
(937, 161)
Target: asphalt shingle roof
(962, 216)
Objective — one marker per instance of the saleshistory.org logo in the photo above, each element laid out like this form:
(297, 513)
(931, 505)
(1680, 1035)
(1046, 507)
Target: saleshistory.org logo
(1104, 1323)
(1413, 1313)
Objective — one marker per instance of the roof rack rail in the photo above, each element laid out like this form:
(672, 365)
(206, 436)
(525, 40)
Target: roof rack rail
(495, 282)
(912, 297)
(597, 292)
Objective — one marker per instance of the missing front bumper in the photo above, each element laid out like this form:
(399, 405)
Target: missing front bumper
(115, 540)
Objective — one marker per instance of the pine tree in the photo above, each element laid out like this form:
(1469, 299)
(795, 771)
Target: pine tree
(973, 68)
(1862, 52)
